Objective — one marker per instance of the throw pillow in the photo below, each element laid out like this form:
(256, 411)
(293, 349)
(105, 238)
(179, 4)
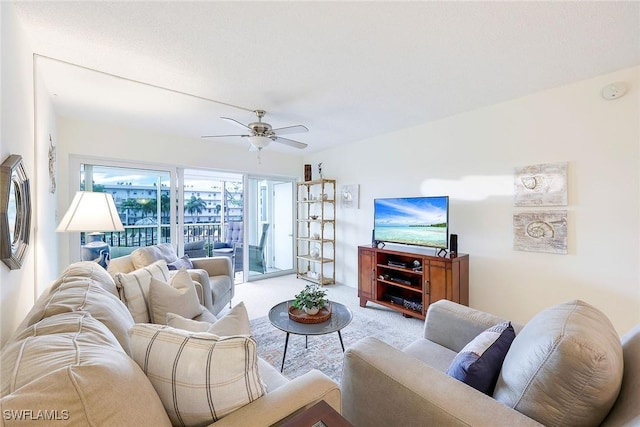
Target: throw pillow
(564, 368)
(478, 364)
(183, 262)
(147, 255)
(235, 322)
(200, 377)
(177, 296)
(135, 288)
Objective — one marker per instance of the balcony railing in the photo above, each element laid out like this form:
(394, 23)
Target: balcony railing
(135, 236)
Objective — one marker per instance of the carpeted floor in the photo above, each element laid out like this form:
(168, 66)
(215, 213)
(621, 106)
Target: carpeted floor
(324, 352)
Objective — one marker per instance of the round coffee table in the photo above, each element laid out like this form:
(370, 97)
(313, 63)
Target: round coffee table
(341, 316)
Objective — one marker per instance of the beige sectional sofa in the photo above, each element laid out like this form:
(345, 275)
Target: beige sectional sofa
(566, 367)
(69, 363)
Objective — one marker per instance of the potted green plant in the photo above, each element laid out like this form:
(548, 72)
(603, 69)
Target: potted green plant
(311, 299)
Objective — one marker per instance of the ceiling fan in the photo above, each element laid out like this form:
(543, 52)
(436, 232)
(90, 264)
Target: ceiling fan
(260, 133)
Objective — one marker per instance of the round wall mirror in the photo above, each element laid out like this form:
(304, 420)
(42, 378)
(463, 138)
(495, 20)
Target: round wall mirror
(15, 212)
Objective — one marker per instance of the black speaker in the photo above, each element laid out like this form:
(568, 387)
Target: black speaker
(374, 242)
(453, 244)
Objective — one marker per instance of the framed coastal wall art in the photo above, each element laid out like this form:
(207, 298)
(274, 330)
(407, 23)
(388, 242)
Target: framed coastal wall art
(540, 231)
(541, 185)
(350, 196)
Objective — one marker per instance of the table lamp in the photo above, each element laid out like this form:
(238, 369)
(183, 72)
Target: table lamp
(92, 212)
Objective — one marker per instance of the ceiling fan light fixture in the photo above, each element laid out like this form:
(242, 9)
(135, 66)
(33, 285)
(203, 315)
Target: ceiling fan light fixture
(259, 141)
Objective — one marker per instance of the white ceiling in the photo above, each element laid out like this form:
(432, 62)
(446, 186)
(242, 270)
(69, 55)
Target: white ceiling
(346, 70)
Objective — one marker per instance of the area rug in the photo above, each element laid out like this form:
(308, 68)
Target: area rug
(324, 352)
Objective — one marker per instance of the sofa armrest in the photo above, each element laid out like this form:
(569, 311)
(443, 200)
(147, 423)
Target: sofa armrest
(382, 386)
(286, 401)
(214, 266)
(454, 325)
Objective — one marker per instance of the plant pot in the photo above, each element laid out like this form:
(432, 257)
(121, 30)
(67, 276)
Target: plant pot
(311, 311)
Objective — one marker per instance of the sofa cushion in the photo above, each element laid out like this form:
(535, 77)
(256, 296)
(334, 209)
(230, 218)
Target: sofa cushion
(178, 296)
(235, 322)
(200, 377)
(147, 255)
(180, 322)
(71, 367)
(81, 294)
(135, 288)
(564, 367)
(432, 354)
(478, 363)
(183, 262)
(205, 316)
(84, 286)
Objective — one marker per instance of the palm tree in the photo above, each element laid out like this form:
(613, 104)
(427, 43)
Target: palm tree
(195, 205)
(130, 205)
(148, 207)
(165, 206)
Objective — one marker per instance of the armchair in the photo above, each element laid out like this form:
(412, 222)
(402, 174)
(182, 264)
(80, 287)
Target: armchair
(213, 275)
(232, 246)
(564, 368)
(257, 261)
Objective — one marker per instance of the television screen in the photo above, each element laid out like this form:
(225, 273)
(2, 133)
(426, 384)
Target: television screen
(421, 221)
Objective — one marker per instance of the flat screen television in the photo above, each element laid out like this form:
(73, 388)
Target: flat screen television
(421, 221)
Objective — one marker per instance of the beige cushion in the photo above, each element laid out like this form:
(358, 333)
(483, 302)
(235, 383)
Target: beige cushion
(135, 288)
(84, 286)
(80, 294)
(200, 377)
(177, 296)
(205, 316)
(564, 367)
(147, 255)
(235, 322)
(70, 365)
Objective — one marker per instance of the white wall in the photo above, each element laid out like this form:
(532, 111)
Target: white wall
(472, 156)
(109, 141)
(46, 238)
(17, 290)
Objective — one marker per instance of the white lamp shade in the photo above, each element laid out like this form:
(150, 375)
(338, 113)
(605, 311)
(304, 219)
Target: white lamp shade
(259, 141)
(91, 211)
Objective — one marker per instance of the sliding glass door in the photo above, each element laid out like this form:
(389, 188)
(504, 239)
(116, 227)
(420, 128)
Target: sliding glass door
(142, 198)
(201, 212)
(269, 219)
(213, 214)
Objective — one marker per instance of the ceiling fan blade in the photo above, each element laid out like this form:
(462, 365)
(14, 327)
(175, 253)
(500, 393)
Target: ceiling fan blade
(222, 136)
(236, 122)
(290, 129)
(290, 142)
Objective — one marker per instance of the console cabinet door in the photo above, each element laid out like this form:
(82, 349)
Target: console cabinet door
(438, 281)
(366, 275)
